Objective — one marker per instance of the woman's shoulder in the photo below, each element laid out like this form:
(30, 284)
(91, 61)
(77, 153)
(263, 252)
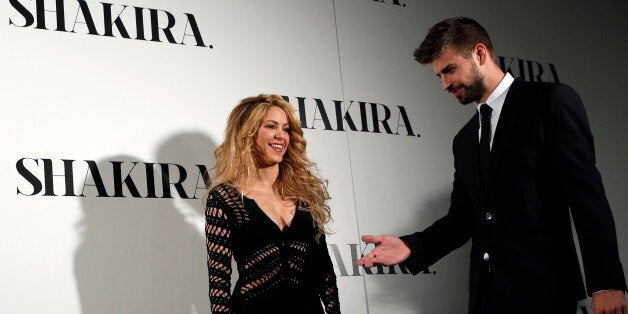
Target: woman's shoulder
(302, 205)
(229, 199)
(223, 188)
(223, 193)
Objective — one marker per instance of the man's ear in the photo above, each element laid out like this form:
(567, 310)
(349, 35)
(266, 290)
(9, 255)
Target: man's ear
(482, 53)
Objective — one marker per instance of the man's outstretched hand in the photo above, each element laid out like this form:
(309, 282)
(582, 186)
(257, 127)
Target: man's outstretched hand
(389, 250)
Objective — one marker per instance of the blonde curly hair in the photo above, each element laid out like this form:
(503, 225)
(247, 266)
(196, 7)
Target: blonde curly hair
(236, 158)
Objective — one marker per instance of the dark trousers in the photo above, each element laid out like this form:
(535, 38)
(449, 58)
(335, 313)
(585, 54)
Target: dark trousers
(488, 300)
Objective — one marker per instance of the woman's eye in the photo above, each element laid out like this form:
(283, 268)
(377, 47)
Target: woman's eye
(286, 130)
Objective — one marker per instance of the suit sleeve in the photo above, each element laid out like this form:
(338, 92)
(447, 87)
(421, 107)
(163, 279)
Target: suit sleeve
(218, 240)
(571, 148)
(447, 233)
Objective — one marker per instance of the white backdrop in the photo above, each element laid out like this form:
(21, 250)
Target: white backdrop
(118, 106)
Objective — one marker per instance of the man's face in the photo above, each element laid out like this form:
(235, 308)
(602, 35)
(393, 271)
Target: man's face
(460, 76)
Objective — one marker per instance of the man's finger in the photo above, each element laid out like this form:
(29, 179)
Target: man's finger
(365, 262)
(371, 238)
(370, 263)
(369, 260)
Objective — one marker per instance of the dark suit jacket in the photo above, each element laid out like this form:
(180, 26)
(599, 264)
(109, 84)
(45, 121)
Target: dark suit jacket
(542, 166)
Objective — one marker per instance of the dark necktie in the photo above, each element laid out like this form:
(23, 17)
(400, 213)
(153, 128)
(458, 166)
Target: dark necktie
(485, 141)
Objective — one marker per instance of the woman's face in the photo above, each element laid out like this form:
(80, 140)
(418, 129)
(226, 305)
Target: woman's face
(273, 137)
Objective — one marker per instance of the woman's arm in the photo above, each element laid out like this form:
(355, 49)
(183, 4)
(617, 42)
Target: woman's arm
(326, 279)
(218, 240)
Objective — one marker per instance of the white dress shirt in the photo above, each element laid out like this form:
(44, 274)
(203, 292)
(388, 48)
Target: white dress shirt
(496, 101)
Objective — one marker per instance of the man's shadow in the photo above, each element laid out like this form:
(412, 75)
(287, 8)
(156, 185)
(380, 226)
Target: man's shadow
(145, 255)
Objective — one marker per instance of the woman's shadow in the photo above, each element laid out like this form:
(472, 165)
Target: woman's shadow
(146, 255)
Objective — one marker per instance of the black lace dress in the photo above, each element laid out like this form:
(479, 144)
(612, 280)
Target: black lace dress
(279, 271)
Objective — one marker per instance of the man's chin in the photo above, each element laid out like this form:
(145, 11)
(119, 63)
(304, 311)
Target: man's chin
(464, 101)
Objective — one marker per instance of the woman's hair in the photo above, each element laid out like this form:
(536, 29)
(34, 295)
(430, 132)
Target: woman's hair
(237, 158)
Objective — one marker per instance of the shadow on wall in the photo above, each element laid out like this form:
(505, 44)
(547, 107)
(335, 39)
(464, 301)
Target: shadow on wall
(443, 292)
(145, 255)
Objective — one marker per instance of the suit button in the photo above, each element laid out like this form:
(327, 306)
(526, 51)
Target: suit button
(489, 216)
(486, 257)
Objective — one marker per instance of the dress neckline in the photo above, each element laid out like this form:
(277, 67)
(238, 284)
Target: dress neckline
(263, 213)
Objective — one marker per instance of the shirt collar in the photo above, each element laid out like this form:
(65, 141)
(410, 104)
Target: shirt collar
(496, 99)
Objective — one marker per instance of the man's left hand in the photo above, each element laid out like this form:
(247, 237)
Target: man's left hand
(609, 302)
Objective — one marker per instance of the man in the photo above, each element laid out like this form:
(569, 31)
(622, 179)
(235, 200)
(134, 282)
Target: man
(521, 165)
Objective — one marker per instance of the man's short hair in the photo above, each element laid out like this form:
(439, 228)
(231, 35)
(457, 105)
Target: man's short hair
(460, 33)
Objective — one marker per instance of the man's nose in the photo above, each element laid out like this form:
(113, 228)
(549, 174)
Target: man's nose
(446, 83)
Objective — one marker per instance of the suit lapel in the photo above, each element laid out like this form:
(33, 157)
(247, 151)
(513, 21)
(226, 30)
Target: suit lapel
(503, 130)
(468, 143)
(470, 162)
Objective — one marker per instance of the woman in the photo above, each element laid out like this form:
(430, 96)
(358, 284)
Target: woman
(267, 209)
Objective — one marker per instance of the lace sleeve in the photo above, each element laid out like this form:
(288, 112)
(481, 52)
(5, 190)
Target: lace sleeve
(218, 240)
(328, 290)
